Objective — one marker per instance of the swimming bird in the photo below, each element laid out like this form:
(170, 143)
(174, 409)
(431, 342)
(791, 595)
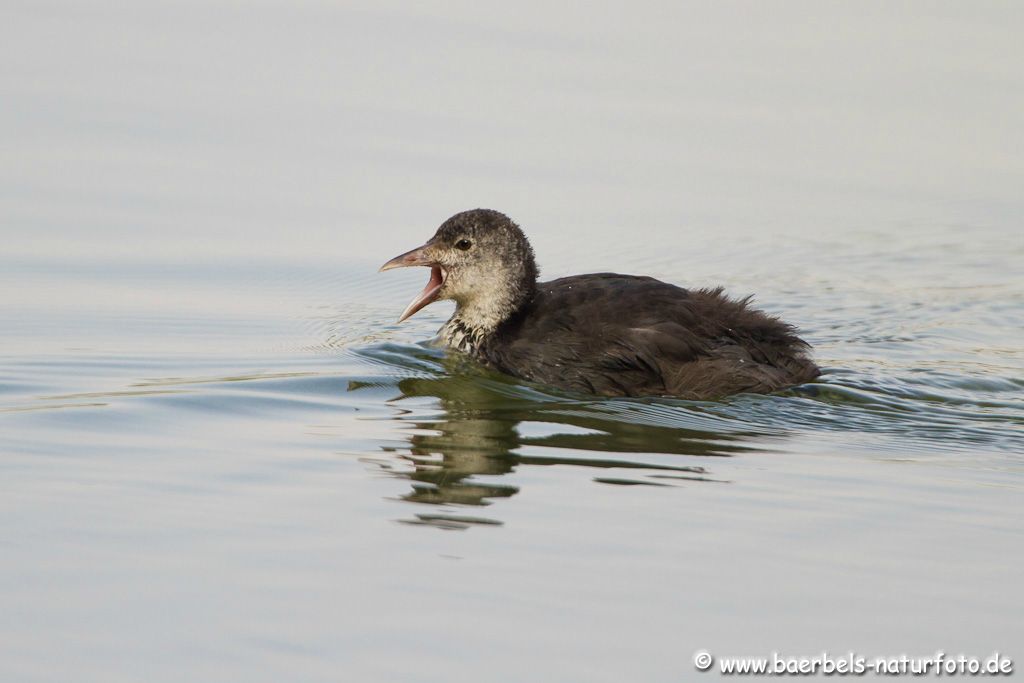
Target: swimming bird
(600, 333)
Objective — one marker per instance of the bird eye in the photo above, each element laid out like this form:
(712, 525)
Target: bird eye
(463, 244)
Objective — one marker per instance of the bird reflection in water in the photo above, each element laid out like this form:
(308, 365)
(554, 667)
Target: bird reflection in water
(488, 426)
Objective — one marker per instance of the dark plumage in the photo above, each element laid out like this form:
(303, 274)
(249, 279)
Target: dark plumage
(602, 333)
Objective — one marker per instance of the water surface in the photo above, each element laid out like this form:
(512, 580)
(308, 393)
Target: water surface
(221, 459)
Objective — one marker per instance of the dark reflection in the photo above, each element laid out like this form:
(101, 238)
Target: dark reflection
(485, 426)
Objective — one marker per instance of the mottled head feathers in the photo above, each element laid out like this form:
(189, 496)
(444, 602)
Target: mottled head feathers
(490, 271)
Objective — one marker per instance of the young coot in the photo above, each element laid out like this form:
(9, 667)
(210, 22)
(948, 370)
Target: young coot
(602, 333)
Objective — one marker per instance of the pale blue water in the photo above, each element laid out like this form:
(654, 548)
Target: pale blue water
(221, 459)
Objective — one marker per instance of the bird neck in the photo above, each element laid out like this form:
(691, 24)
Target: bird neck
(458, 334)
(476, 319)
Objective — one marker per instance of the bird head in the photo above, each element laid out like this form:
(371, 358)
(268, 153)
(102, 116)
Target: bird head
(481, 260)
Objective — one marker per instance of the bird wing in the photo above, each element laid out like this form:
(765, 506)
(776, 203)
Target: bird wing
(621, 335)
(600, 333)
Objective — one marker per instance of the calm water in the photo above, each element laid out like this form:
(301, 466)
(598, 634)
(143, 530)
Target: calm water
(221, 460)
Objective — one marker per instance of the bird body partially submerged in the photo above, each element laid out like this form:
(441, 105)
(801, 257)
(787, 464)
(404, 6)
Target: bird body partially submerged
(602, 333)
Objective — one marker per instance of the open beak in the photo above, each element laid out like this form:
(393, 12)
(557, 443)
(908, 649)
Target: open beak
(420, 257)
